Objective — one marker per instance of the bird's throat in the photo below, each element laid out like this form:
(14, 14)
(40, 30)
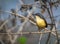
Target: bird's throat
(40, 22)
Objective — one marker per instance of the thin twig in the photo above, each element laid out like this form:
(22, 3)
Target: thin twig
(53, 21)
(55, 26)
(28, 33)
(12, 28)
(40, 38)
(21, 27)
(4, 23)
(20, 16)
(10, 37)
(51, 26)
(1, 42)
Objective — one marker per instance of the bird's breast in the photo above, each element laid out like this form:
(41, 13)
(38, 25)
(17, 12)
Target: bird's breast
(41, 23)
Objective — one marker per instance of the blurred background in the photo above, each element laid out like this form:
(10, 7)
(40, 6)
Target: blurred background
(14, 19)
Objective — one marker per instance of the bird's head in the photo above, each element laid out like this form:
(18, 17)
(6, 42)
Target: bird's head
(38, 15)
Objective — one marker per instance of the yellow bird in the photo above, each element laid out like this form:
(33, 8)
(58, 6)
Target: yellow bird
(40, 21)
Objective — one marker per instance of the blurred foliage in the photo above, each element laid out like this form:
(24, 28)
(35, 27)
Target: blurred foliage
(22, 40)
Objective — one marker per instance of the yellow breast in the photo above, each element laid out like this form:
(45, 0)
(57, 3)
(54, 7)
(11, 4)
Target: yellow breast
(40, 22)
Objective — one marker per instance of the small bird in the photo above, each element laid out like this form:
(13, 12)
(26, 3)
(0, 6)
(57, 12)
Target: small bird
(40, 21)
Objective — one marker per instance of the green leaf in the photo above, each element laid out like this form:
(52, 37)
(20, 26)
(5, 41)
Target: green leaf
(22, 40)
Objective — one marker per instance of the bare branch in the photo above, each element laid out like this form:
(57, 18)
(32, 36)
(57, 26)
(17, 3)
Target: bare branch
(29, 32)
